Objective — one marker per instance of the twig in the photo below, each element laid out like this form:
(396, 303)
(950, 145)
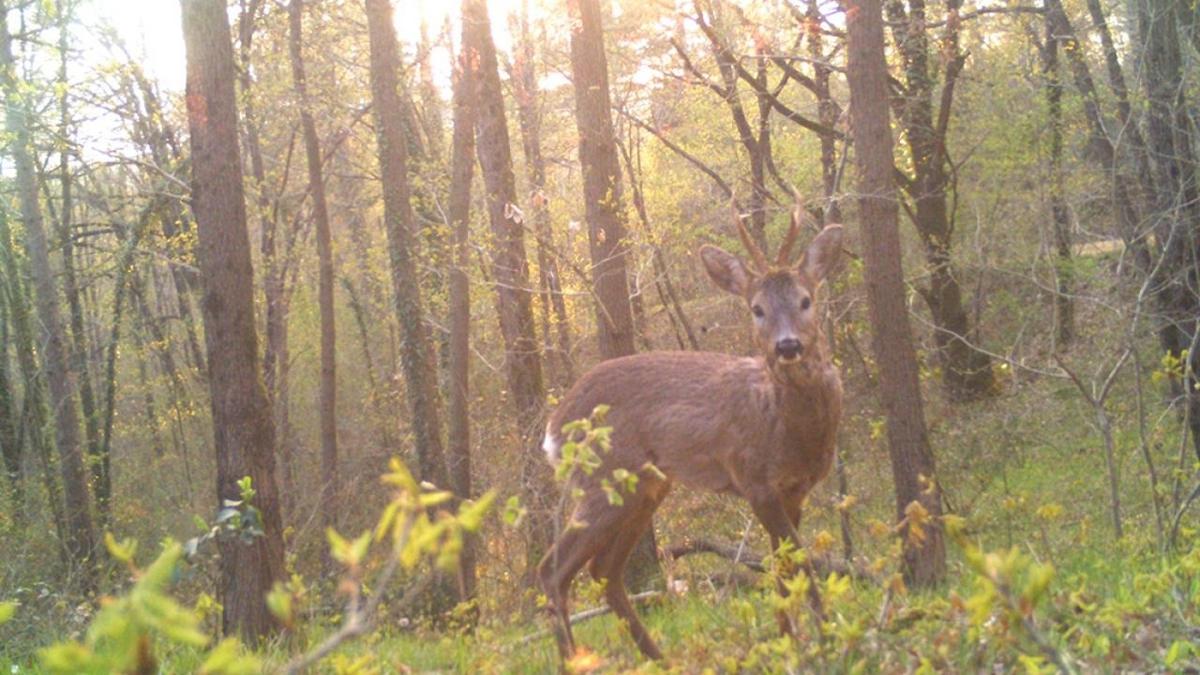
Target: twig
(589, 614)
(359, 620)
(735, 554)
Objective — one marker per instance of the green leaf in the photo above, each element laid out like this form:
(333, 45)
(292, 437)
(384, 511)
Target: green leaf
(471, 513)
(122, 551)
(1180, 649)
(7, 611)
(228, 658)
(279, 602)
(513, 511)
(68, 657)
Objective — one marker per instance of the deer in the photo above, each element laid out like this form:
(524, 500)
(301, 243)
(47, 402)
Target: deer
(760, 427)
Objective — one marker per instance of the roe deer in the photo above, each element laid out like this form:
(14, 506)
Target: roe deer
(760, 427)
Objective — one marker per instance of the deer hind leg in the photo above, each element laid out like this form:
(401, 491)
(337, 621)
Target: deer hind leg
(593, 524)
(609, 565)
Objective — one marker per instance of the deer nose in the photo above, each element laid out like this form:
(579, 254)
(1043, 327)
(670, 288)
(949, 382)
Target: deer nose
(788, 349)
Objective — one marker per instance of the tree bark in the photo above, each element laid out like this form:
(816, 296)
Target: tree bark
(10, 448)
(330, 490)
(1176, 205)
(908, 442)
(31, 420)
(462, 170)
(1064, 304)
(966, 372)
(510, 272)
(605, 218)
(243, 435)
(98, 462)
(529, 116)
(416, 353)
(81, 541)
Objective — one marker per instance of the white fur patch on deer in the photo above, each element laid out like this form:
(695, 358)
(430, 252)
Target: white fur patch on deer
(550, 446)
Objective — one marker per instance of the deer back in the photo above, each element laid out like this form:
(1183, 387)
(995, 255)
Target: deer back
(710, 421)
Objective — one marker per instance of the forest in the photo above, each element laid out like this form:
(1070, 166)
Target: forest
(391, 336)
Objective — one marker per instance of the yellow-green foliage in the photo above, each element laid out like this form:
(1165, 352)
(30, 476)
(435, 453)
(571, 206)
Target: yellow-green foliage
(123, 634)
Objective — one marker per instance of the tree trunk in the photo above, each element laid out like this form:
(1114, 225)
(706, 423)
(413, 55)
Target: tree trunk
(1176, 207)
(529, 115)
(828, 111)
(966, 371)
(605, 217)
(243, 435)
(81, 541)
(908, 442)
(462, 169)
(32, 417)
(1064, 304)
(10, 447)
(329, 494)
(1125, 194)
(523, 363)
(97, 461)
(416, 354)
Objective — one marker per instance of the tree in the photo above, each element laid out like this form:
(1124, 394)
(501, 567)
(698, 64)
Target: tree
(529, 116)
(1171, 138)
(966, 372)
(605, 213)
(510, 271)
(316, 187)
(243, 436)
(11, 449)
(98, 461)
(462, 171)
(1064, 304)
(81, 542)
(908, 441)
(416, 353)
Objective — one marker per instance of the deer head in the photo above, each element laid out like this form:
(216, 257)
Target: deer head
(781, 297)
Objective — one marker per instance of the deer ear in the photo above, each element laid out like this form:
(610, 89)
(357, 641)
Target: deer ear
(726, 269)
(823, 253)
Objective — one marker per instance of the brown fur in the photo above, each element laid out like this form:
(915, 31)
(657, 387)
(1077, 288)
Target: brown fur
(757, 427)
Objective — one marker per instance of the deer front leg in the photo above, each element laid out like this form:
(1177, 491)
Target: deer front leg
(776, 517)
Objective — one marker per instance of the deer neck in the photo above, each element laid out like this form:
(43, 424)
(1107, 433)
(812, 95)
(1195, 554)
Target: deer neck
(803, 388)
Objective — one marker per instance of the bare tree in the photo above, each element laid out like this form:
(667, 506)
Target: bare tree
(510, 271)
(98, 461)
(605, 215)
(1171, 138)
(329, 504)
(462, 170)
(1064, 305)
(966, 372)
(244, 437)
(908, 441)
(416, 353)
(81, 542)
(529, 116)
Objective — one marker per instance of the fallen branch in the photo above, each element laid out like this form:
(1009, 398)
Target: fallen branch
(736, 554)
(589, 614)
(822, 565)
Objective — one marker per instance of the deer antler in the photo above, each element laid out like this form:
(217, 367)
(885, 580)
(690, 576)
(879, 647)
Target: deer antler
(789, 239)
(758, 258)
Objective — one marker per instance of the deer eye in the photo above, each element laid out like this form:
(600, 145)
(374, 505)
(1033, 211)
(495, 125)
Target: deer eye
(806, 303)
(758, 311)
